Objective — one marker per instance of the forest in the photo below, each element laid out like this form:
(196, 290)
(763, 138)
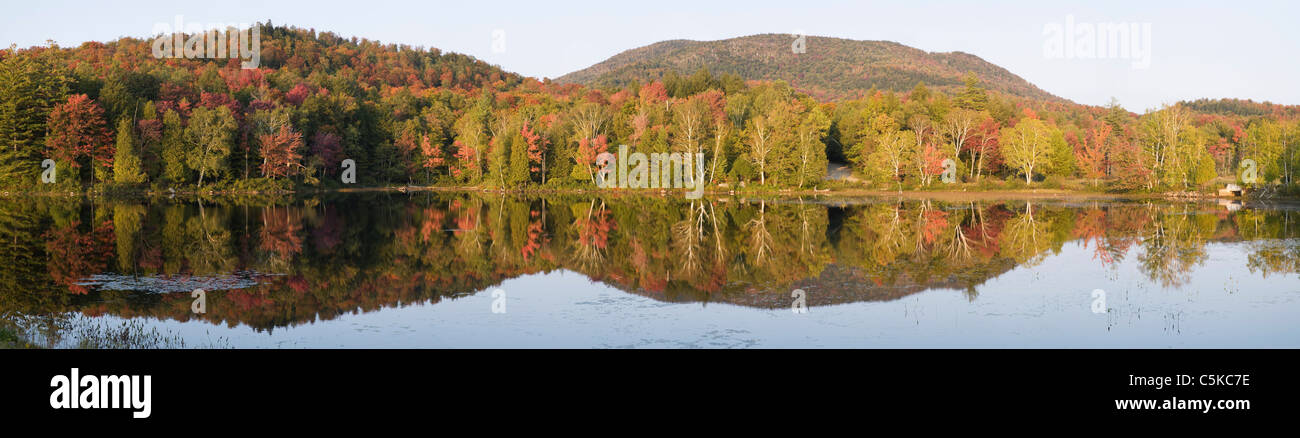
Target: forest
(113, 118)
(826, 68)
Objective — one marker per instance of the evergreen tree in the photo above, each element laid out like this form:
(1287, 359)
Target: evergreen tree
(173, 149)
(126, 159)
(973, 97)
(31, 83)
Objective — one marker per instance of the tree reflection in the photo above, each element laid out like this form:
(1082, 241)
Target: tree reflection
(286, 262)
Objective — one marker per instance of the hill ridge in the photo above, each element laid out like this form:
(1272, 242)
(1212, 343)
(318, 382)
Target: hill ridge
(839, 67)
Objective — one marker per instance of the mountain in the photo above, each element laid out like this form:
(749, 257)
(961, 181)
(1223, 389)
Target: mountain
(828, 68)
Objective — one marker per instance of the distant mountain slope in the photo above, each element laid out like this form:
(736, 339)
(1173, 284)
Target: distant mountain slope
(829, 67)
(1242, 107)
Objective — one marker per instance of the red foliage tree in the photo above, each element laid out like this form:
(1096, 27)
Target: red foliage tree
(589, 149)
(281, 153)
(1129, 166)
(329, 148)
(213, 100)
(653, 92)
(931, 162)
(407, 143)
(298, 94)
(431, 154)
(150, 130)
(537, 146)
(1091, 153)
(76, 131)
(984, 147)
(596, 97)
(464, 159)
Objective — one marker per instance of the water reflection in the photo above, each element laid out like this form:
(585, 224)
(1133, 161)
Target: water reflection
(273, 264)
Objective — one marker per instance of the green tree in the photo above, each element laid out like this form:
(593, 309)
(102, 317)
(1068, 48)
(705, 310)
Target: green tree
(518, 172)
(973, 97)
(1263, 145)
(31, 83)
(1026, 146)
(500, 153)
(1203, 173)
(1062, 155)
(472, 142)
(760, 145)
(126, 159)
(173, 149)
(1165, 140)
(211, 133)
(811, 152)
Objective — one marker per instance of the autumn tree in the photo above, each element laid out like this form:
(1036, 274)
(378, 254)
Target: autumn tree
(471, 142)
(263, 123)
(1092, 151)
(281, 153)
(588, 120)
(1129, 166)
(149, 142)
(327, 150)
(929, 163)
(431, 156)
(958, 127)
(984, 142)
(537, 147)
(585, 155)
(76, 131)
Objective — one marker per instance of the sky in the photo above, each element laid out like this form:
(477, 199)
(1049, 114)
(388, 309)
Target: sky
(1198, 49)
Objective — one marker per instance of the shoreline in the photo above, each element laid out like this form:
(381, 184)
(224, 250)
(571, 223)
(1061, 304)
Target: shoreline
(935, 195)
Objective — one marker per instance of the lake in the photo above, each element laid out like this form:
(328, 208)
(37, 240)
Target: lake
(440, 269)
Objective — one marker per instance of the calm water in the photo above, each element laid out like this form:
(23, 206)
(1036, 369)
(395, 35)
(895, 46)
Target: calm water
(461, 270)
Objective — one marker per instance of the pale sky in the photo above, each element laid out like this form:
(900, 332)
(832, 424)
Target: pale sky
(1243, 49)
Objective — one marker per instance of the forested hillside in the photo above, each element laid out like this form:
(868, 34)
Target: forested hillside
(827, 68)
(111, 116)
